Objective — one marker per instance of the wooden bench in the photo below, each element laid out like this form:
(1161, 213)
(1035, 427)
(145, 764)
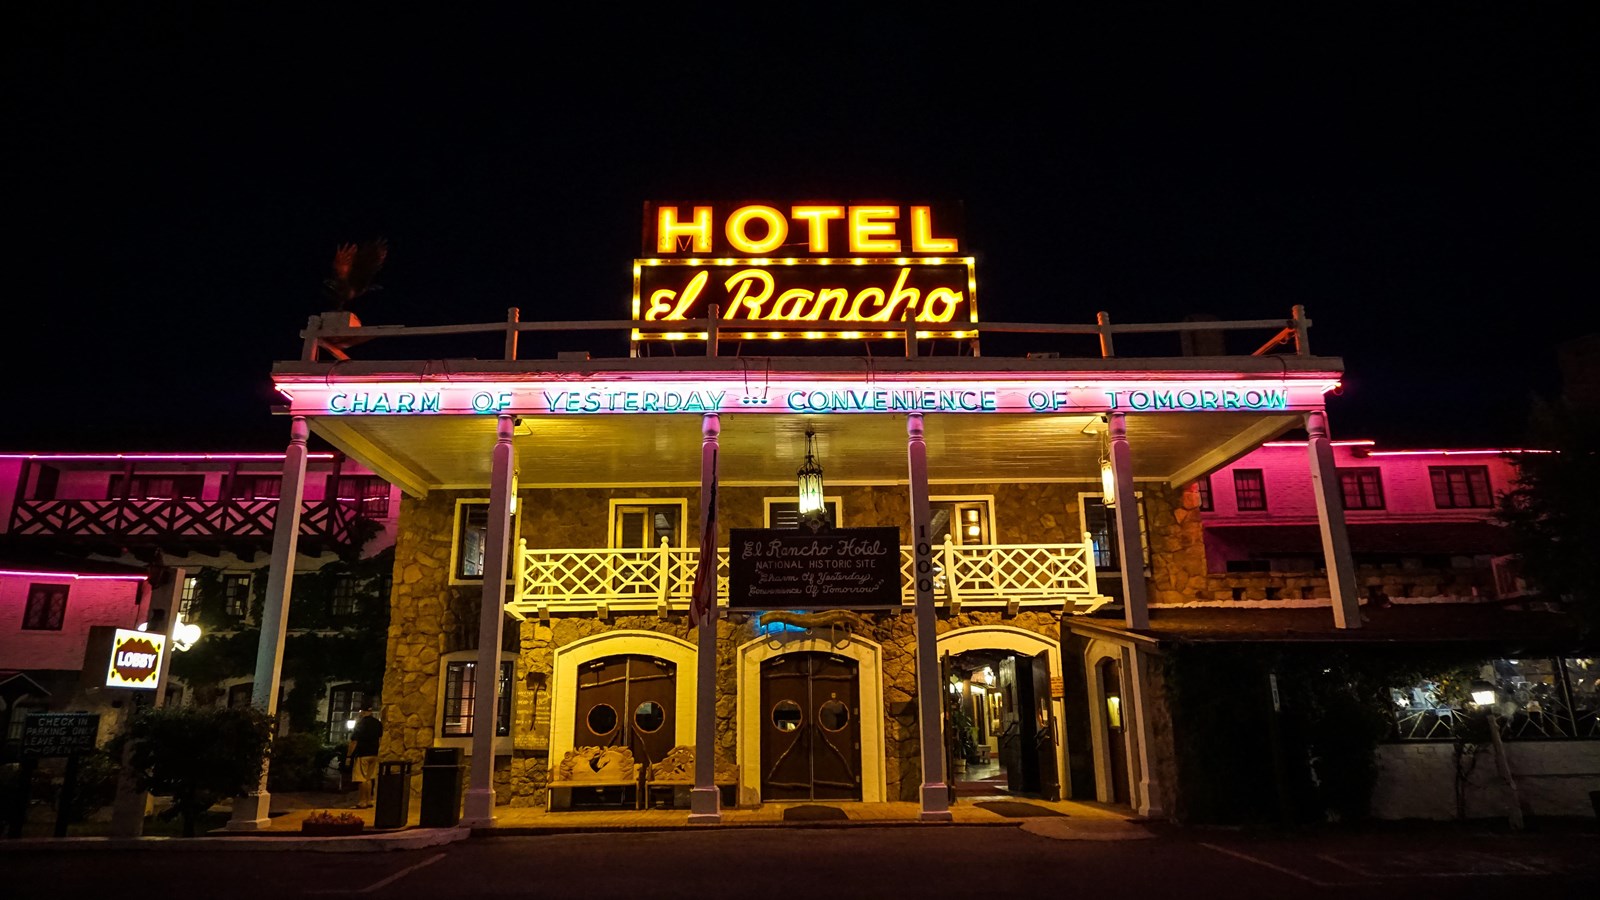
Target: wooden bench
(595, 776)
(670, 780)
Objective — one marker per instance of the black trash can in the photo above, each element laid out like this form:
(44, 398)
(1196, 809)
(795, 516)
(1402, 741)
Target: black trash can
(393, 795)
(441, 788)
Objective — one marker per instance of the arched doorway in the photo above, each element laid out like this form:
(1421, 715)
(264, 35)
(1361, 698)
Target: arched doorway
(811, 733)
(1109, 672)
(1003, 711)
(571, 670)
(627, 700)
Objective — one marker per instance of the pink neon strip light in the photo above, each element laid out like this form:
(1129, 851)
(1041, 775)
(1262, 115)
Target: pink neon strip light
(1452, 452)
(171, 457)
(73, 575)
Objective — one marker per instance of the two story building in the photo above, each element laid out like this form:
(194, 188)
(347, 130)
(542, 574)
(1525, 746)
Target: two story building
(81, 533)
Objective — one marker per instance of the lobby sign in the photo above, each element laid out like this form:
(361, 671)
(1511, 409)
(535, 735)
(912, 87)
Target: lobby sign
(804, 271)
(135, 660)
(666, 394)
(845, 568)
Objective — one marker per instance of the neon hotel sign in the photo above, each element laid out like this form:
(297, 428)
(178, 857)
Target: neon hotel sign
(880, 394)
(804, 270)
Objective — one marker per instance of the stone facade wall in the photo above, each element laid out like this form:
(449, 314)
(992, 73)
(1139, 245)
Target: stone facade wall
(431, 617)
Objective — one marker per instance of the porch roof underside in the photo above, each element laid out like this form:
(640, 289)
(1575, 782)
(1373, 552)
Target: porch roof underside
(422, 453)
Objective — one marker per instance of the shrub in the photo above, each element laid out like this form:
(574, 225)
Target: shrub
(197, 756)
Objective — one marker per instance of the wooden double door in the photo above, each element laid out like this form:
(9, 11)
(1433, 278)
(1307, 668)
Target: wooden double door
(628, 701)
(811, 728)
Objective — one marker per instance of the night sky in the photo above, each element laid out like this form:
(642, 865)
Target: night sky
(1421, 178)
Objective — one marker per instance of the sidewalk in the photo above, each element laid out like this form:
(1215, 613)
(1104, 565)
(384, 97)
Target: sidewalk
(1064, 820)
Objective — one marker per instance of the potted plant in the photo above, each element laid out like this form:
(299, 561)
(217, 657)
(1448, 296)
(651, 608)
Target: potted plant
(325, 823)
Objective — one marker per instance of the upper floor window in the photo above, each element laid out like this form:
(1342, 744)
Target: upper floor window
(1362, 488)
(257, 487)
(369, 494)
(786, 513)
(1461, 487)
(961, 521)
(157, 487)
(1249, 489)
(1202, 486)
(472, 539)
(47, 607)
(190, 594)
(236, 594)
(639, 523)
(1100, 522)
(460, 697)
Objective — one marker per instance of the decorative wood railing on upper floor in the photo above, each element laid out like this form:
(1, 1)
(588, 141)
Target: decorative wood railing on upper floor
(996, 576)
(146, 520)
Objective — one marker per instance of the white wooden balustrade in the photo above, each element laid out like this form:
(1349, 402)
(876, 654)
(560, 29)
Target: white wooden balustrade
(1008, 576)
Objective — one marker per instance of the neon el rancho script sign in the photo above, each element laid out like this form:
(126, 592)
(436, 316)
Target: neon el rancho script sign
(806, 270)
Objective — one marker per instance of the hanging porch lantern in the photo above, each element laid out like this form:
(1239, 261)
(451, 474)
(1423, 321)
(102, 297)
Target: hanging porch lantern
(810, 482)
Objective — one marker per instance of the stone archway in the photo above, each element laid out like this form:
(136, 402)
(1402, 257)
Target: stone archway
(867, 654)
(1096, 653)
(1028, 643)
(564, 679)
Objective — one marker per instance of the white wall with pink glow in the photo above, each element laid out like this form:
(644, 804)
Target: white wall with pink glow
(90, 602)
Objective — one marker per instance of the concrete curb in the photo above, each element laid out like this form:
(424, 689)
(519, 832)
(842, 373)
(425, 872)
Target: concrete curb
(545, 830)
(413, 839)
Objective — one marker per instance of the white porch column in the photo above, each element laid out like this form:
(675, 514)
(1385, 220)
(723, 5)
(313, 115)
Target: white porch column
(1149, 800)
(479, 808)
(1135, 599)
(1330, 515)
(930, 693)
(250, 812)
(705, 803)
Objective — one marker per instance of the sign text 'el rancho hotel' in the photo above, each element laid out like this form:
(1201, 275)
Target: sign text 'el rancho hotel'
(806, 270)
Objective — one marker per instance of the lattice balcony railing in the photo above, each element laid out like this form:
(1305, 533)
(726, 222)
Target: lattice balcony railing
(183, 518)
(658, 579)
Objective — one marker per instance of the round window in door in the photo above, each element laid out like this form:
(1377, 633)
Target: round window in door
(627, 701)
(786, 716)
(602, 719)
(649, 717)
(833, 716)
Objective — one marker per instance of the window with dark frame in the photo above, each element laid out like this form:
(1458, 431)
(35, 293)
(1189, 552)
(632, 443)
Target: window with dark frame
(1101, 523)
(157, 487)
(1362, 488)
(346, 601)
(786, 513)
(241, 695)
(1203, 487)
(187, 599)
(367, 493)
(344, 701)
(47, 607)
(472, 537)
(256, 487)
(236, 594)
(1461, 487)
(1249, 490)
(460, 695)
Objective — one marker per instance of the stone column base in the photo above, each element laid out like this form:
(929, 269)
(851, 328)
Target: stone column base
(705, 806)
(252, 812)
(936, 803)
(479, 812)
